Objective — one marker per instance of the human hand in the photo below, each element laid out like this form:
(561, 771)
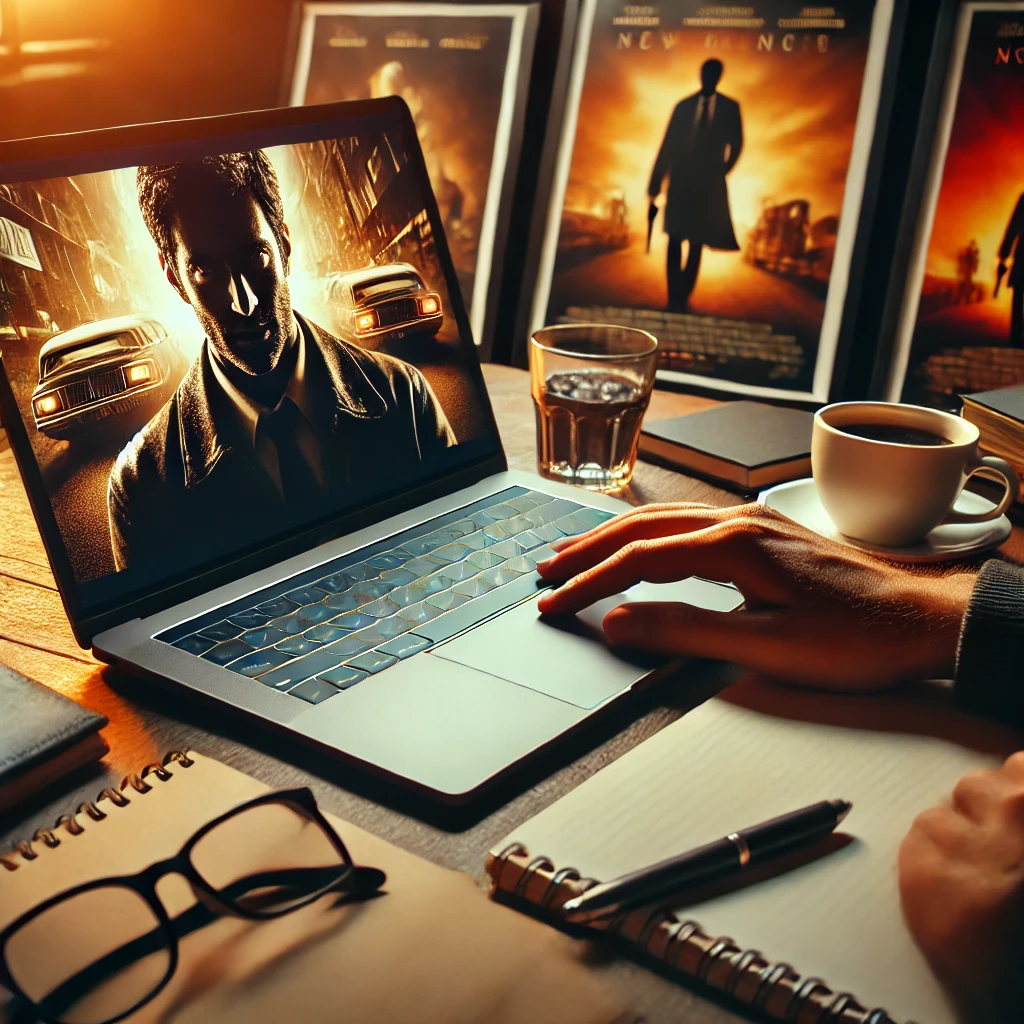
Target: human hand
(961, 872)
(817, 612)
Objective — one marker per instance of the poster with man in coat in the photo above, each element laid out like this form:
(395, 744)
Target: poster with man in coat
(711, 172)
(703, 142)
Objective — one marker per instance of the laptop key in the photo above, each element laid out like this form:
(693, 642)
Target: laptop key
(399, 577)
(194, 644)
(301, 668)
(373, 661)
(342, 677)
(484, 559)
(417, 613)
(313, 691)
(448, 625)
(343, 602)
(250, 618)
(475, 587)
(455, 572)
(332, 584)
(305, 595)
(222, 631)
(258, 662)
(593, 516)
(347, 647)
(446, 601)
(326, 633)
(227, 651)
(298, 645)
(380, 609)
(353, 621)
(266, 637)
(277, 606)
(404, 646)
(386, 560)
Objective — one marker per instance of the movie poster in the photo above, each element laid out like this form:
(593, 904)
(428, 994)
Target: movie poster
(709, 182)
(962, 328)
(463, 70)
(141, 368)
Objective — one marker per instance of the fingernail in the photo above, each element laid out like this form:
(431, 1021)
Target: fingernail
(542, 567)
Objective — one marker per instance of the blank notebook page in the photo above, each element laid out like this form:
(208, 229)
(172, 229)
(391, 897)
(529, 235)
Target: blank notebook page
(722, 768)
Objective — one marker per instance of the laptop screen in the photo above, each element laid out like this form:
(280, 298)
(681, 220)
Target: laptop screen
(222, 344)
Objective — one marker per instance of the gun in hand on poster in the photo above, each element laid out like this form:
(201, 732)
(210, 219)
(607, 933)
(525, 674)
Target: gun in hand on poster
(652, 216)
(1000, 274)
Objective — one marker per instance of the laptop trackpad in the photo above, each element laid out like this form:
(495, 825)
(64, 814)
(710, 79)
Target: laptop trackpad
(566, 660)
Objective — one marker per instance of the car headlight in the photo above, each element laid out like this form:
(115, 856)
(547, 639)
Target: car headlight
(366, 321)
(138, 373)
(48, 404)
(429, 305)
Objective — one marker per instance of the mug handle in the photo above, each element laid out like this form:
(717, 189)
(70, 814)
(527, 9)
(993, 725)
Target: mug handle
(1006, 471)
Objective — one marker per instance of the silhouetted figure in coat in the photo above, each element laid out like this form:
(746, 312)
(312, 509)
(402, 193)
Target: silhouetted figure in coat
(703, 141)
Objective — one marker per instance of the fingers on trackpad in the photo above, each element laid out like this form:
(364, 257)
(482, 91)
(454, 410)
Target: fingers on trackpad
(719, 597)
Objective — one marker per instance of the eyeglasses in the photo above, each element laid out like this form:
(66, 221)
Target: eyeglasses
(97, 952)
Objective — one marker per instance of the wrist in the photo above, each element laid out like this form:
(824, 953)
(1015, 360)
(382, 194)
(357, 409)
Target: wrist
(939, 606)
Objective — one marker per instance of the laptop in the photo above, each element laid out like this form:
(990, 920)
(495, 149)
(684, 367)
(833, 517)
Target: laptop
(240, 386)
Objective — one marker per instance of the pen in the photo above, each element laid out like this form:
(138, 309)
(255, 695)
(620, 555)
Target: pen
(728, 856)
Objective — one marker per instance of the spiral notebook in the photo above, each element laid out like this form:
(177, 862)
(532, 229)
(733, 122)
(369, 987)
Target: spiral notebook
(723, 767)
(432, 949)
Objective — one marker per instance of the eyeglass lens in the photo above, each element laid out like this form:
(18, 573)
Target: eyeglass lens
(93, 957)
(268, 859)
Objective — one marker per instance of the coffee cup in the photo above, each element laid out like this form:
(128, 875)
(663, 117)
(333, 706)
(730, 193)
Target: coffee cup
(889, 474)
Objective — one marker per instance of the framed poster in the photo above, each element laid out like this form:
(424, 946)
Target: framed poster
(716, 169)
(464, 70)
(960, 305)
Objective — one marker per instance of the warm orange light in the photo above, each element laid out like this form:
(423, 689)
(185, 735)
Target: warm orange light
(366, 321)
(139, 374)
(47, 404)
(430, 305)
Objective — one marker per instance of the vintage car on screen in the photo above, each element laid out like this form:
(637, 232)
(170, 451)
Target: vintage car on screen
(385, 303)
(125, 366)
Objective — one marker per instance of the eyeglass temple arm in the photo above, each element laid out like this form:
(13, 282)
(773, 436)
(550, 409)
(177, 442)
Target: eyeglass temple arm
(360, 881)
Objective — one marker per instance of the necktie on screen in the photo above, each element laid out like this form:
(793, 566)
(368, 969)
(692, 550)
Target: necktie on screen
(282, 427)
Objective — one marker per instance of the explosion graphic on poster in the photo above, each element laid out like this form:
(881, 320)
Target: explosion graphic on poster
(969, 329)
(709, 168)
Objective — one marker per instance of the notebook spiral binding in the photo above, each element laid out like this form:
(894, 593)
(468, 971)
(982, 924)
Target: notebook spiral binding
(90, 808)
(773, 989)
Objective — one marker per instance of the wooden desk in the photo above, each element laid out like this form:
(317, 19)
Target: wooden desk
(36, 640)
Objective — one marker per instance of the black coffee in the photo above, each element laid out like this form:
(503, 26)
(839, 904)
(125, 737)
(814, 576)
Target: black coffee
(894, 434)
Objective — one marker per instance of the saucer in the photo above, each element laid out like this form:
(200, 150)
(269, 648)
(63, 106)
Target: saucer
(800, 502)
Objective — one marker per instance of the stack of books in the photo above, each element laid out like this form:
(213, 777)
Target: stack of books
(999, 415)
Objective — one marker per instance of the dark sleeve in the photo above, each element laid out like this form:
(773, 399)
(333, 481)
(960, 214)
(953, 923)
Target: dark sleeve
(736, 142)
(117, 517)
(990, 659)
(433, 431)
(1014, 229)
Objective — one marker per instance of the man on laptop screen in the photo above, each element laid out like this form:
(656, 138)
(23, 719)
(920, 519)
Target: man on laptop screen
(275, 412)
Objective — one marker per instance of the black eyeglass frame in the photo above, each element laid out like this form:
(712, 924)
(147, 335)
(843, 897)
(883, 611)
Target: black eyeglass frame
(144, 884)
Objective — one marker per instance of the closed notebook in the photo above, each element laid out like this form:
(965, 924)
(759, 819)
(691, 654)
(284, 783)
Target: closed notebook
(745, 444)
(42, 737)
(432, 949)
(824, 941)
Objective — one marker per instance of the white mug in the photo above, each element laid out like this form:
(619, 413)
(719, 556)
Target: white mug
(893, 494)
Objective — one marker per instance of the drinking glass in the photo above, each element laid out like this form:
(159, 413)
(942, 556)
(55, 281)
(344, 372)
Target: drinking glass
(591, 386)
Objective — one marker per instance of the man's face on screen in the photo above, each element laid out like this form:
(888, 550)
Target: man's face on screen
(233, 271)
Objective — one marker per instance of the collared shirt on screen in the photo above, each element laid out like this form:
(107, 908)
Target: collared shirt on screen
(248, 413)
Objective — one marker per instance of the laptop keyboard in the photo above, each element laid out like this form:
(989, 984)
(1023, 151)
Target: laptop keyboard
(327, 630)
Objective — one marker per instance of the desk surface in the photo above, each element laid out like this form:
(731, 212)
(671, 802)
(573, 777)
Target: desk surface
(36, 640)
